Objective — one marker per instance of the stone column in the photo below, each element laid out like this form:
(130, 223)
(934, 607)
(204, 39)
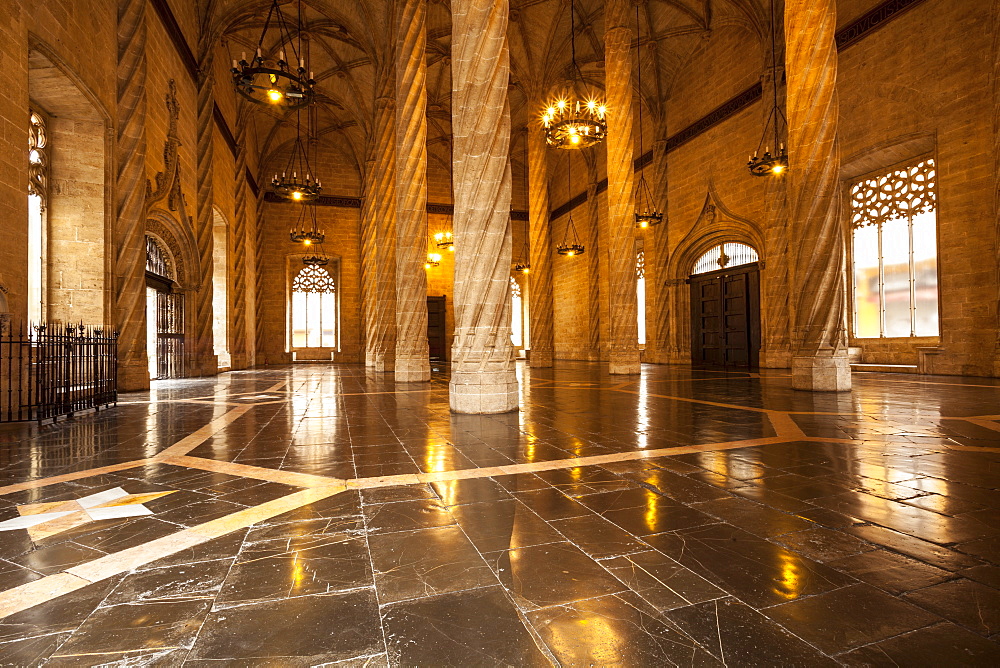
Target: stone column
(816, 229)
(624, 348)
(203, 356)
(540, 245)
(240, 340)
(369, 260)
(384, 210)
(130, 191)
(412, 354)
(658, 314)
(996, 170)
(482, 377)
(776, 322)
(594, 272)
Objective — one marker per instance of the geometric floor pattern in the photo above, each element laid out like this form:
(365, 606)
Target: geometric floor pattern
(320, 515)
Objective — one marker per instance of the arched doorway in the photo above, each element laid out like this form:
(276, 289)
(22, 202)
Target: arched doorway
(164, 313)
(725, 307)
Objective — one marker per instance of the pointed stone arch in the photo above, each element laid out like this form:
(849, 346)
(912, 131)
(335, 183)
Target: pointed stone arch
(716, 224)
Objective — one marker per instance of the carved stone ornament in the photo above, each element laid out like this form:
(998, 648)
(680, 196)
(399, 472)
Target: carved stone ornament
(168, 183)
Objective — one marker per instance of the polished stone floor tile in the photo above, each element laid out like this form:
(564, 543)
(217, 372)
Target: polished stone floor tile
(616, 630)
(412, 564)
(756, 571)
(847, 618)
(503, 525)
(137, 626)
(895, 573)
(322, 628)
(407, 516)
(551, 574)
(971, 604)
(597, 537)
(738, 635)
(823, 545)
(939, 645)
(476, 627)
(662, 582)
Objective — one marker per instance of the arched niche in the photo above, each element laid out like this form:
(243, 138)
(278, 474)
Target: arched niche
(716, 225)
(78, 207)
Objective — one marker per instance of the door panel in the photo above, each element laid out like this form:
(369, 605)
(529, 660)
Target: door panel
(725, 318)
(169, 335)
(436, 341)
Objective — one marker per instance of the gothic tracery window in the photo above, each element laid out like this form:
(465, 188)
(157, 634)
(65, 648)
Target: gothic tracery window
(37, 199)
(894, 233)
(725, 256)
(640, 293)
(314, 309)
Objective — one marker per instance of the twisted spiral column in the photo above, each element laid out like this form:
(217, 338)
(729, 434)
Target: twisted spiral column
(540, 248)
(412, 353)
(384, 210)
(130, 191)
(996, 170)
(239, 340)
(482, 378)
(369, 261)
(624, 349)
(816, 234)
(658, 313)
(777, 310)
(594, 271)
(203, 358)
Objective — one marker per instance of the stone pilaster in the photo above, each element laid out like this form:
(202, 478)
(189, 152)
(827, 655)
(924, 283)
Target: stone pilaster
(482, 377)
(412, 354)
(816, 231)
(202, 357)
(384, 211)
(130, 204)
(540, 245)
(657, 253)
(594, 272)
(624, 348)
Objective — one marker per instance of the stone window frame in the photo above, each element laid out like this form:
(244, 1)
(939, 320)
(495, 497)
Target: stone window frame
(294, 266)
(849, 218)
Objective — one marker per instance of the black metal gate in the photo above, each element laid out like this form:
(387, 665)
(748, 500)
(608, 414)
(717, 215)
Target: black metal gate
(55, 370)
(169, 335)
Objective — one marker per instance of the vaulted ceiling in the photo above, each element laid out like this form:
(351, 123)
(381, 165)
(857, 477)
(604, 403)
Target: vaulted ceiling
(350, 45)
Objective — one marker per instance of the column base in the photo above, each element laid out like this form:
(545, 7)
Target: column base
(540, 359)
(821, 374)
(133, 376)
(779, 359)
(483, 393)
(382, 363)
(413, 370)
(624, 363)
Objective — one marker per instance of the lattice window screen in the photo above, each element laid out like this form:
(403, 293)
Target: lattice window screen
(901, 193)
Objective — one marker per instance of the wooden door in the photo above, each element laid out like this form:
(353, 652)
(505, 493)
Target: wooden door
(725, 317)
(436, 341)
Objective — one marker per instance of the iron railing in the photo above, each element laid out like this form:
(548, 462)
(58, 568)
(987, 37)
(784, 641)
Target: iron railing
(56, 370)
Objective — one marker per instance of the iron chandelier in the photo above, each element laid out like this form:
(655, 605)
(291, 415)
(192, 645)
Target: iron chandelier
(281, 84)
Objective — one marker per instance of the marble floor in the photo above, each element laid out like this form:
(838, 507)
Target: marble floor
(319, 515)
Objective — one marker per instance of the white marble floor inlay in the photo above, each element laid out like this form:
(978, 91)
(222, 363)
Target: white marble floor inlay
(47, 519)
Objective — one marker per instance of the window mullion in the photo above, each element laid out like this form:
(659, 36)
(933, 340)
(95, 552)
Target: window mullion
(913, 277)
(881, 286)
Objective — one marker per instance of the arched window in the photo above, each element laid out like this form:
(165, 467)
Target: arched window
(894, 230)
(640, 294)
(37, 199)
(314, 309)
(725, 256)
